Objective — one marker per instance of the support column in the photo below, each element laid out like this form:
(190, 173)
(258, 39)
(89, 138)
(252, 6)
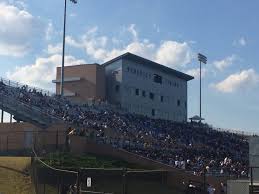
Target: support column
(2, 116)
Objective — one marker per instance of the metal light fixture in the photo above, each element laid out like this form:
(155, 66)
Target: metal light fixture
(201, 59)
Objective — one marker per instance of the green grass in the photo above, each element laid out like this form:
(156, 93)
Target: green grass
(67, 160)
(12, 178)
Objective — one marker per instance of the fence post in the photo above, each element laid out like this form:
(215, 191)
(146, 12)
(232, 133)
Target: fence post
(7, 141)
(57, 140)
(124, 181)
(11, 118)
(204, 180)
(58, 184)
(251, 179)
(2, 116)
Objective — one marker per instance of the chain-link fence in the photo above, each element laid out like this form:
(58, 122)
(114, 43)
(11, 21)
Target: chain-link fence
(49, 180)
(254, 180)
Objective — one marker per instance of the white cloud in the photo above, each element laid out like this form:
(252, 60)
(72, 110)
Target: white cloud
(18, 29)
(242, 80)
(133, 31)
(49, 31)
(174, 53)
(72, 15)
(240, 42)
(156, 27)
(196, 72)
(54, 49)
(224, 63)
(170, 53)
(42, 71)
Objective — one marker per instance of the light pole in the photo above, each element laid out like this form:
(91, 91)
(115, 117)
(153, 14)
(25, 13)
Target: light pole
(201, 59)
(63, 49)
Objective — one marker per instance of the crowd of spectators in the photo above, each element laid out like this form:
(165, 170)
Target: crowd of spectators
(189, 146)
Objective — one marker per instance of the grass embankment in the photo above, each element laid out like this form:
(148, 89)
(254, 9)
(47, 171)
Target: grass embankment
(13, 180)
(135, 184)
(66, 160)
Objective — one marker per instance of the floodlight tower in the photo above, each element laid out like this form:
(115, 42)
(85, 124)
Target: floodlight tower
(63, 49)
(201, 59)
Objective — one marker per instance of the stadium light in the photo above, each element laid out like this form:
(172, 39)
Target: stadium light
(63, 49)
(201, 59)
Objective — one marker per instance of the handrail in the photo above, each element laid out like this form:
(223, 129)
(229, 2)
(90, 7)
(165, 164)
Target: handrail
(18, 84)
(245, 133)
(14, 100)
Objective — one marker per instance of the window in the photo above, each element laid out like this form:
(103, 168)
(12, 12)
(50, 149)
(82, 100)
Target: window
(143, 93)
(178, 103)
(153, 112)
(151, 96)
(157, 79)
(128, 69)
(137, 92)
(162, 98)
(117, 88)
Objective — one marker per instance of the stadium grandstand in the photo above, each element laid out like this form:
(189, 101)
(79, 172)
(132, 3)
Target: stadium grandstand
(187, 146)
(131, 106)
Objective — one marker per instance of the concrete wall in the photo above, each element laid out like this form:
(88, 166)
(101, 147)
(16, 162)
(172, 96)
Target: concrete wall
(113, 74)
(172, 89)
(238, 187)
(254, 156)
(129, 76)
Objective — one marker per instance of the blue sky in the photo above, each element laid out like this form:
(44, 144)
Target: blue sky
(170, 32)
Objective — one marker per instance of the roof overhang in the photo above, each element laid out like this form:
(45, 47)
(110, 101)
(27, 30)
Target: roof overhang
(152, 64)
(67, 79)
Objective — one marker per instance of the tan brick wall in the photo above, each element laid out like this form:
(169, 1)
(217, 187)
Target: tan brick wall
(16, 136)
(91, 85)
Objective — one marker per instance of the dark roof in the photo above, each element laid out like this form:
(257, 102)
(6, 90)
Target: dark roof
(196, 118)
(97, 64)
(151, 64)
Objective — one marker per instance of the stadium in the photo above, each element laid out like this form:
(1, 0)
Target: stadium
(108, 106)
(121, 111)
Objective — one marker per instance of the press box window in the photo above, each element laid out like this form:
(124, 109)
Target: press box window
(144, 93)
(153, 112)
(157, 79)
(117, 88)
(137, 92)
(178, 103)
(162, 98)
(151, 96)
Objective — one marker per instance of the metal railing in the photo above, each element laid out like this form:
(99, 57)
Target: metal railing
(19, 106)
(19, 85)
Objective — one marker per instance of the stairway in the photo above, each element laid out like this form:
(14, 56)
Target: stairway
(27, 113)
(22, 111)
